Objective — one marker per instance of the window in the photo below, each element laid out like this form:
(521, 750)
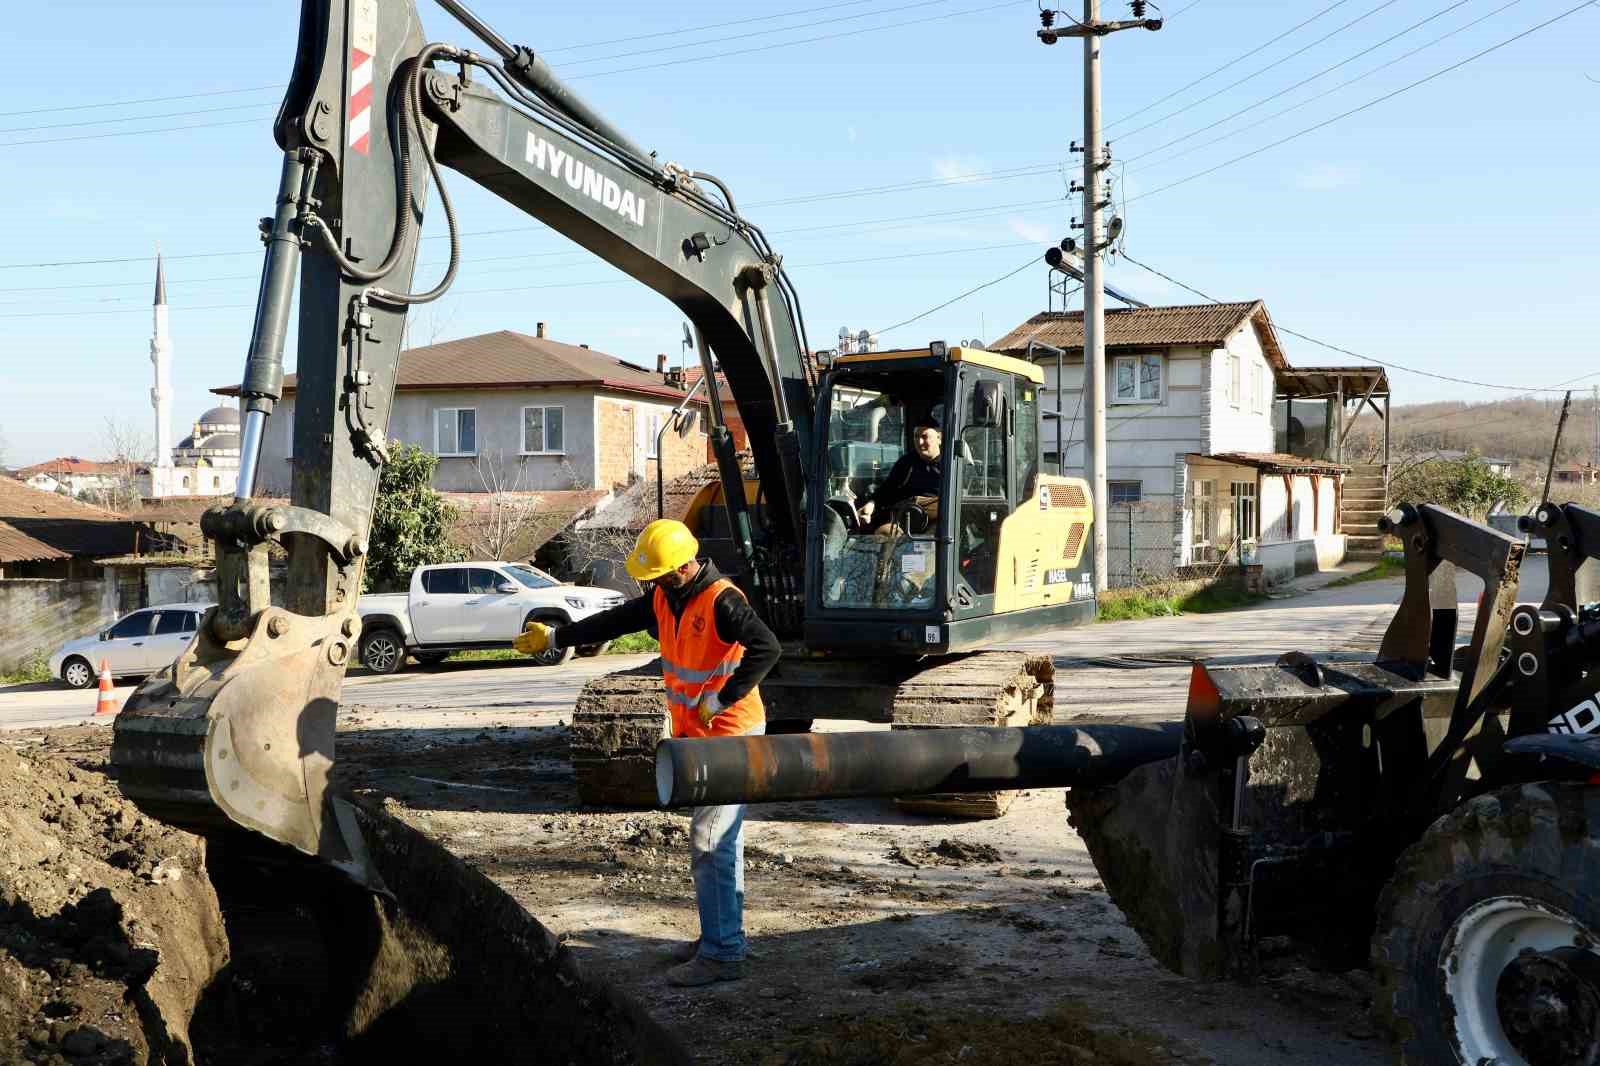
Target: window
(1025, 439)
(455, 431)
(481, 581)
(216, 482)
(1258, 389)
(169, 623)
(1203, 516)
(451, 582)
(544, 431)
(1233, 380)
(1244, 509)
(652, 430)
(1137, 379)
(135, 625)
(1124, 492)
(532, 577)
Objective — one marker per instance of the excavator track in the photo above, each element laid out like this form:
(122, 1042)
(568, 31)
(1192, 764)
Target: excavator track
(619, 718)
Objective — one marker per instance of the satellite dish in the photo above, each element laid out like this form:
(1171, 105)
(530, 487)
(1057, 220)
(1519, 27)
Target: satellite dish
(688, 338)
(687, 422)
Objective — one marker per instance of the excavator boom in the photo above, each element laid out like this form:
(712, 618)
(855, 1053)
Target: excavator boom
(240, 730)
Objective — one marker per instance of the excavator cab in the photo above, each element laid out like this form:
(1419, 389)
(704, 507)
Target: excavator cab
(984, 546)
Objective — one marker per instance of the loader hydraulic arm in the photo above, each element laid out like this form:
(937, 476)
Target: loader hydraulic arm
(242, 725)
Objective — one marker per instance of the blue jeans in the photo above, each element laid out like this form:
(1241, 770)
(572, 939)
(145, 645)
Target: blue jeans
(716, 849)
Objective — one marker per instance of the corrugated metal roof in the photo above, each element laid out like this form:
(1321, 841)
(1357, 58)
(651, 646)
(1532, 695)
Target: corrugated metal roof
(17, 547)
(1142, 327)
(506, 359)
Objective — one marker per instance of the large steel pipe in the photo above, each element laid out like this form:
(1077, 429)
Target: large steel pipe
(763, 769)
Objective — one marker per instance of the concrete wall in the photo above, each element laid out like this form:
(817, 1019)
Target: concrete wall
(179, 584)
(37, 615)
(499, 440)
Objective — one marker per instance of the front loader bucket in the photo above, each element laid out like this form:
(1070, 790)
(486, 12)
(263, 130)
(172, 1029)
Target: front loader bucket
(242, 733)
(1299, 782)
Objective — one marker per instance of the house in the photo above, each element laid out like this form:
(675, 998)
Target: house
(506, 412)
(1195, 470)
(1575, 474)
(50, 574)
(69, 475)
(47, 535)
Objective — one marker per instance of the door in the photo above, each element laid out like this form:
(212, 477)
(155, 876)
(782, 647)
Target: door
(490, 614)
(436, 614)
(983, 478)
(126, 644)
(174, 630)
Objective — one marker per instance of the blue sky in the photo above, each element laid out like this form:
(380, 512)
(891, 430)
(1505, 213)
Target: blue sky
(1452, 228)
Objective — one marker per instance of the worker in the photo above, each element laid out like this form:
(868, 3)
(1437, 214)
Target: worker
(714, 652)
(914, 476)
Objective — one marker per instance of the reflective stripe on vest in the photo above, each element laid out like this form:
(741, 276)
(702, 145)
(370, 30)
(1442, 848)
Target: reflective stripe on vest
(695, 660)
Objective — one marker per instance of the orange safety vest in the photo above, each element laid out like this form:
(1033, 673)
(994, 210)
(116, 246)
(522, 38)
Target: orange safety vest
(694, 661)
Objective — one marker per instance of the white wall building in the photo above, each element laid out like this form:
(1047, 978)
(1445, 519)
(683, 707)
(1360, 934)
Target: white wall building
(1192, 467)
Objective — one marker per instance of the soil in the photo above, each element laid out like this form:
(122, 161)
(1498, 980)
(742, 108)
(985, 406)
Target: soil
(878, 937)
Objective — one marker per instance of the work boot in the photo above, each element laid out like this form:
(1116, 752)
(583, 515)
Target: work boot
(684, 950)
(703, 971)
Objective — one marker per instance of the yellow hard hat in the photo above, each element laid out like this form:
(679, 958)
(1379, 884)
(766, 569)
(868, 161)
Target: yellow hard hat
(663, 545)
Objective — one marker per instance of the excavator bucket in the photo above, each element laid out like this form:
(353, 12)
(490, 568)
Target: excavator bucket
(242, 732)
(1299, 782)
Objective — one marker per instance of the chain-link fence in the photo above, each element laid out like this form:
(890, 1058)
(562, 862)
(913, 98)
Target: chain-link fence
(1143, 547)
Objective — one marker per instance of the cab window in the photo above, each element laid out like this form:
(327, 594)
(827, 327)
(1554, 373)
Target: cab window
(982, 480)
(172, 623)
(135, 625)
(480, 581)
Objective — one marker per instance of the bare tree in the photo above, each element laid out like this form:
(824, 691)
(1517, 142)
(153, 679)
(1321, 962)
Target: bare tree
(508, 514)
(426, 326)
(128, 449)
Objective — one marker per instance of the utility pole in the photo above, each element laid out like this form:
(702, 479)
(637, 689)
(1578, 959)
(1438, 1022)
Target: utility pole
(1555, 446)
(1095, 197)
(1594, 411)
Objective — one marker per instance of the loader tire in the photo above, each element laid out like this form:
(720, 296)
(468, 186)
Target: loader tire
(1488, 933)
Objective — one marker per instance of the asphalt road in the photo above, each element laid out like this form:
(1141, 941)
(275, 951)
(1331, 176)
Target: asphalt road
(1128, 669)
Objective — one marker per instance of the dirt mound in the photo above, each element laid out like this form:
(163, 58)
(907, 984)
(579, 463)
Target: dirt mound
(108, 924)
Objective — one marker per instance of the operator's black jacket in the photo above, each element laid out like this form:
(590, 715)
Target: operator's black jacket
(911, 475)
(736, 621)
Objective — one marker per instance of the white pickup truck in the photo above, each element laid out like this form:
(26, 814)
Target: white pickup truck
(464, 606)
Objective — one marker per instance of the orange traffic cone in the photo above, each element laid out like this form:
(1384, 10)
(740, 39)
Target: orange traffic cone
(107, 703)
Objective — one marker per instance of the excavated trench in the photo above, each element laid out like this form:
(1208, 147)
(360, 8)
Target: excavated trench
(123, 941)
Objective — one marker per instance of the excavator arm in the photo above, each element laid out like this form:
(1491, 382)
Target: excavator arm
(240, 730)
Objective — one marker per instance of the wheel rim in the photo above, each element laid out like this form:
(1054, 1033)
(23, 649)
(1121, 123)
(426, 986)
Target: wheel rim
(550, 657)
(78, 674)
(1495, 959)
(381, 654)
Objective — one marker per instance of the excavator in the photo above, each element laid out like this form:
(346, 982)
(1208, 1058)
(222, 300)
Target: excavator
(887, 623)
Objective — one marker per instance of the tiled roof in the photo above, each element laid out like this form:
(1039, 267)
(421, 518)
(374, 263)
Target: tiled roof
(526, 522)
(509, 360)
(63, 523)
(17, 547)
(1139, 327)
(69, 464)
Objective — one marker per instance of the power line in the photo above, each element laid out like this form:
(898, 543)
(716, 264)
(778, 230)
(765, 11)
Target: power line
(1369, 104)
(132, 118)
(146, 100)
(1344, 351)
(697, 29)
(1322, 95)
(131, 133)
(746, 35)
(1237, 59)
(1256, 74)
(1304, 81)
(1033, 260)
(583, 284)
(799, 41)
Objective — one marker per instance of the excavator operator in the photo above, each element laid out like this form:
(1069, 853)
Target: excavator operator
(715, 650)
(914, 476)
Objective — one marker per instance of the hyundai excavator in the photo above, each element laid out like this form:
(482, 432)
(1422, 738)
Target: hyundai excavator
(885, 623)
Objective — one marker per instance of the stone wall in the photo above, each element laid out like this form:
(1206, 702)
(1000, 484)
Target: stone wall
(37, 615)
(613, 445)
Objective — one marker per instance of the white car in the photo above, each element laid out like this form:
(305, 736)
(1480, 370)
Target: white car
(465, 606)
(138, 643)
